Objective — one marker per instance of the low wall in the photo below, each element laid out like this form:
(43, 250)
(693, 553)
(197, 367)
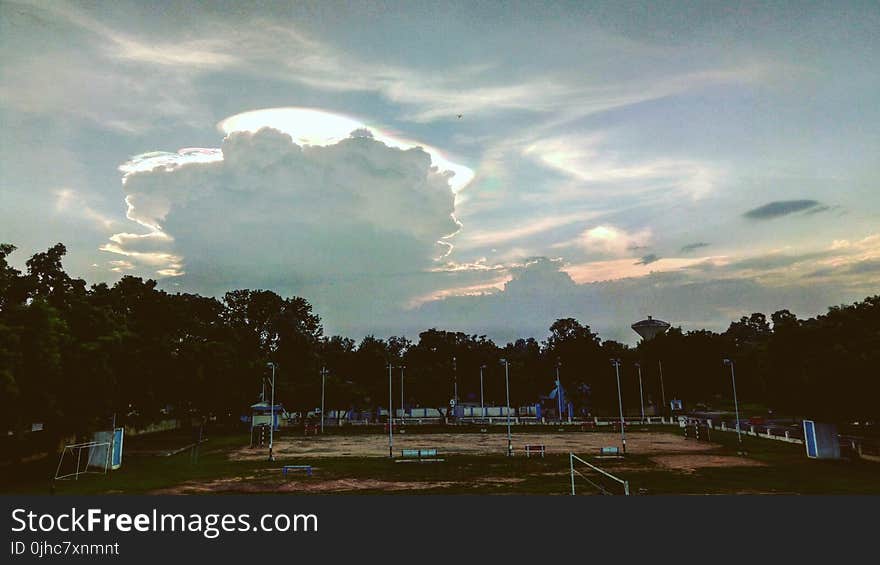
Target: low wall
(160, 426)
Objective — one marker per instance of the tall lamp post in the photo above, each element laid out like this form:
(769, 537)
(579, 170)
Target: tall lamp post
(641, 392)
(735, 403)
(616, 363)
(507, 388)
(482, 404)
(272, 413)
(402, 402)
(558, 392)
(390, 416)
(454, 382)
(662, 388)
(323, 378)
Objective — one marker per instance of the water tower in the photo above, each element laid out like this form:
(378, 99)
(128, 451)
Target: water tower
(650, 328)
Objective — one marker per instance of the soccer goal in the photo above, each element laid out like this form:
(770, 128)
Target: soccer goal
(98, 456)
(599, 480)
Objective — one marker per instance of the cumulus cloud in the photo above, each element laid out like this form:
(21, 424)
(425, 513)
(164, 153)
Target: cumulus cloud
(779, 208)
(543, 291)
(356, 226)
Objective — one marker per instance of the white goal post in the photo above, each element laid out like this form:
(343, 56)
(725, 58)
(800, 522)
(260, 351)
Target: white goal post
(98, 456)
(594, 481)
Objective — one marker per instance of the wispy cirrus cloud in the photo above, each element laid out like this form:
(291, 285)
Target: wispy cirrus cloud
(586, 159)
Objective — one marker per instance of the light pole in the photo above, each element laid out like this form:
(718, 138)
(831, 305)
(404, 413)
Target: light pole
(323, 377)
(272, 413)
(482, 404)
(616, 363)
(735, 403)
(507, 388)
(390, 416)
(662, 389)
(402, 402)
(641, 392)
(454, 382)
(558, 392)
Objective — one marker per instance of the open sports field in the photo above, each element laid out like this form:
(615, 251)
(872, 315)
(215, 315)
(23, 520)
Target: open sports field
(659, 460)
(471, 443)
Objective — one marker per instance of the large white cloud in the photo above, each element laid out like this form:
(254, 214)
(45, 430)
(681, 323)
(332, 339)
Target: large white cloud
(355, 225)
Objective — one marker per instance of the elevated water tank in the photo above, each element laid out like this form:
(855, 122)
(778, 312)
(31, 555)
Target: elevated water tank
(650, 328)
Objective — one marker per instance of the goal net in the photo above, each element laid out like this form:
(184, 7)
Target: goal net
(590, 479)
(98, 456)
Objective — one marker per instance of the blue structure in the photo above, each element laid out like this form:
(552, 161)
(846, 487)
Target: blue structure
(821, 440)
(555, 403)
(116, 455)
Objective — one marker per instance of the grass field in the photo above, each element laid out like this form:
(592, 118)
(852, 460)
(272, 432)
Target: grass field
(659, 461)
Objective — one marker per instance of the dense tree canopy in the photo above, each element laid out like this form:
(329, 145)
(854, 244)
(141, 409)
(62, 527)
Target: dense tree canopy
(73, 355)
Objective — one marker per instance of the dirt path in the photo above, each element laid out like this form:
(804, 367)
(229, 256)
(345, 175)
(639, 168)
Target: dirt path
(375, 445)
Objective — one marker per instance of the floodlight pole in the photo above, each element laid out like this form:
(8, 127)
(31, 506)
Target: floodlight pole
(272, 414)
(735, 402)
(323, 378)
(482, 404)
(616, 363)
(402, 401)
(641, 392)
(662, 388)
(454, 383)
(507, 388)
(390, 416)
(558, 392)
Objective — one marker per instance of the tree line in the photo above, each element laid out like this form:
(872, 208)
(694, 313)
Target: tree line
(72, 355)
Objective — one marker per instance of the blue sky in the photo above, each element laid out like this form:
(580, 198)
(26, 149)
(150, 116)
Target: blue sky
(694, 161)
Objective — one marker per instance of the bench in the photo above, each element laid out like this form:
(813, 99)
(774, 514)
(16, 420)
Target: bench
(288, 468)
(418, 455)
(536, 449)
(609, 451)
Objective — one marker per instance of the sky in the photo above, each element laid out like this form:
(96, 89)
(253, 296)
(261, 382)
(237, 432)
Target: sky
(481, 167)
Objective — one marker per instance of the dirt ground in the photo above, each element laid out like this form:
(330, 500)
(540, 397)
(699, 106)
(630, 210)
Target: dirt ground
(376, 445)
(690, 463)
(245, 485)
